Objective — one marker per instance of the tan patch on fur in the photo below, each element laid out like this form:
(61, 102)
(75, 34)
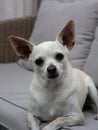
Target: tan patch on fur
(81, 76)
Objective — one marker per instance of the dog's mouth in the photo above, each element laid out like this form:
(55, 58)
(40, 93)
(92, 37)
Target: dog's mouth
(53, 76)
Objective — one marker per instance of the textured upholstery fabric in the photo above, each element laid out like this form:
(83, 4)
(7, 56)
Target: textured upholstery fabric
(21, 27)
(53, 15)
(14, 96)
(91, 65)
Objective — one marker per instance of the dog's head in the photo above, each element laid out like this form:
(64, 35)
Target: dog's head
(49, 58)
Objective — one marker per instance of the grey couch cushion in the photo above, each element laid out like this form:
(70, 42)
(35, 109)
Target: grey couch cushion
(12, 117)
(91, 65)
(54, 14)
(14, 99)
(15, 83)
(14, 96)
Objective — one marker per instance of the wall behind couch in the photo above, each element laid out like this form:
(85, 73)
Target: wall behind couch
(18, 8)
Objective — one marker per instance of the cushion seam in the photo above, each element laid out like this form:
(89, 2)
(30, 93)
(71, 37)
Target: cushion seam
(13, 103)
(90, 48)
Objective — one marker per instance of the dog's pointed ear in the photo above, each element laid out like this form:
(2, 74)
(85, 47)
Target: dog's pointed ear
(67, 35)
(22, 47)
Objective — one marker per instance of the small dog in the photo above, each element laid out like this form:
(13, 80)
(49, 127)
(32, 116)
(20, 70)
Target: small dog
(58, 91)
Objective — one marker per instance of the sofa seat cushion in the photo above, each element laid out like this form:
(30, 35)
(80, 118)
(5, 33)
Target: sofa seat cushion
(12, 117)
(15, 84)
(14, 96)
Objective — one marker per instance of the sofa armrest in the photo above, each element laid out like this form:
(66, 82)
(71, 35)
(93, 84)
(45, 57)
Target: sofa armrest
(20, 27)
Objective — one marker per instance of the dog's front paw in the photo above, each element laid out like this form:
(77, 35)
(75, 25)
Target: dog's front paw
(49, 128)
(64, 122)
(33, 127)
(56, 128)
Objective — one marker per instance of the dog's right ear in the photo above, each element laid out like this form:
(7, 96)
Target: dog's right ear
(22, 47)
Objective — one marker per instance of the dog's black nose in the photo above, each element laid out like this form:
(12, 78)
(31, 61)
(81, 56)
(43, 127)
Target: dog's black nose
(51, 69)
(52, 72)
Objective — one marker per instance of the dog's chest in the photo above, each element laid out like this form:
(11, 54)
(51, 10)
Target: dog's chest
(48, 110)
(48, 106)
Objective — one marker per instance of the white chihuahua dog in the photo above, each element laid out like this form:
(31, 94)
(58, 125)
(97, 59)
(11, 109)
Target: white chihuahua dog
(58, 91)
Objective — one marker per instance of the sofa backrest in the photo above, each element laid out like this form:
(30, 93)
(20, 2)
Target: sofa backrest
(53, 15)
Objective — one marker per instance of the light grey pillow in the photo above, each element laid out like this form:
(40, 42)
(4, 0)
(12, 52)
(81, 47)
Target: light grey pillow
(91, 65)
(54, 14)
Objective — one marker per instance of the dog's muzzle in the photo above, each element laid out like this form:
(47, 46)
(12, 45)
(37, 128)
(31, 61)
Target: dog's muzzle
(52, 72)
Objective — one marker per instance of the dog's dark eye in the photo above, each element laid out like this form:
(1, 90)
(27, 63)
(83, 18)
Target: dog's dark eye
(39, 61)
(59, 56)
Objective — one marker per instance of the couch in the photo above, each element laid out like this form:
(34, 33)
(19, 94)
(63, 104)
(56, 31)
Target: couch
(14, 81)
(16, 75)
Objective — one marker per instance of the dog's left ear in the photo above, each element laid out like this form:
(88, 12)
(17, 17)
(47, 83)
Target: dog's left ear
(67, 35)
